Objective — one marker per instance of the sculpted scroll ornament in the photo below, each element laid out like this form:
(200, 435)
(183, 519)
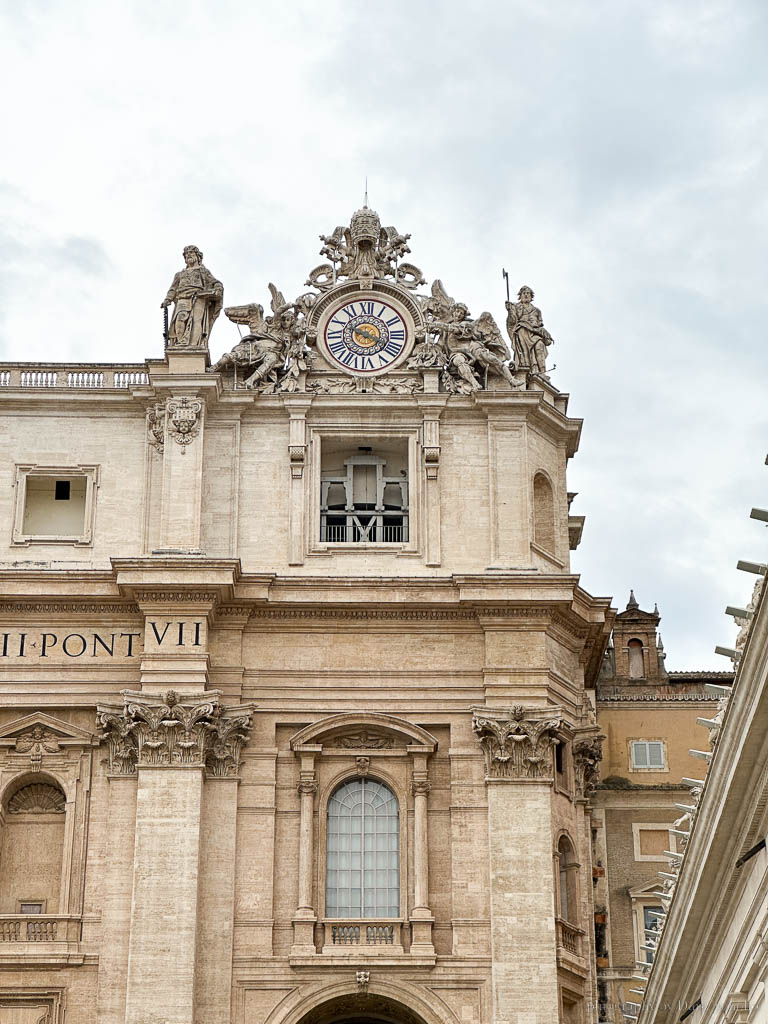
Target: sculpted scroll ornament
(517, 744)
(183, 416)
(587, 755)
(175, 731)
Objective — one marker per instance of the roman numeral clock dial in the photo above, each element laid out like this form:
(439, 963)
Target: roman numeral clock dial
(365, 335)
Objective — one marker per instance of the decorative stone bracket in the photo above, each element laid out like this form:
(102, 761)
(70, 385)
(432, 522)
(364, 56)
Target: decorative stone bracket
(175, 730)
(517, 743)
(587, 755)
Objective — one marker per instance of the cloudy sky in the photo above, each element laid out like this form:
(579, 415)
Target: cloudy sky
(610, 153)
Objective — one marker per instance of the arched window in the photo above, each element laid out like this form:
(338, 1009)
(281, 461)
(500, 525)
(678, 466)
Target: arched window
(363, 851)
(636, 663)
(32, 848)
(568, 870)
(543, 513)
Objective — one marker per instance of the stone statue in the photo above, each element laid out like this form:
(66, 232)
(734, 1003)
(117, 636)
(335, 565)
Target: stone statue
(273, 354)
(198, 298)
(530, 339)
(470, 346)
(364, 250)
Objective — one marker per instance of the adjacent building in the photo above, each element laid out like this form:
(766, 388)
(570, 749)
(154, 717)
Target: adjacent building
(650, 719)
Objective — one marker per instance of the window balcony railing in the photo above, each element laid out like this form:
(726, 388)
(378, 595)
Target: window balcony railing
(569, 937)
(364, 527)
(38, 928)
(358, 935)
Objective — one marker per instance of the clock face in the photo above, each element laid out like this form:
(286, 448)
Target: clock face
(365, 336)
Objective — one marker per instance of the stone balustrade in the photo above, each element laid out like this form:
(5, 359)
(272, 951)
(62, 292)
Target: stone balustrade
(39, 928)
(80, 376)
(569, 937)
(371, 935)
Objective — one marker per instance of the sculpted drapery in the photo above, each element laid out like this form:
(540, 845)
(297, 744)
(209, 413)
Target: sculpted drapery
(198, 298)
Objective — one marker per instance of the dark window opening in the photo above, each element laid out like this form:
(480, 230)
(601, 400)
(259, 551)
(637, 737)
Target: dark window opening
(62, 490)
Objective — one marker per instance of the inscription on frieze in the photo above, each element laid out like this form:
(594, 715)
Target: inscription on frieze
(66, 644)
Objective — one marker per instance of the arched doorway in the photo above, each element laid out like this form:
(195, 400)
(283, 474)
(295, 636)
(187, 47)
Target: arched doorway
(361, 1007)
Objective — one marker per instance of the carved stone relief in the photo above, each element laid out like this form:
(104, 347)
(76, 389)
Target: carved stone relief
(36, 742)
(37, 798)
(175, 731)
(183, 418)
(517, 744)
(365, 739)
(587, 754)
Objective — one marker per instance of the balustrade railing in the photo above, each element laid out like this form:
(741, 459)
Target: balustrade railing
(38, 928)
(80, 376)
(569, 937)
(382, 527)
(369, 935)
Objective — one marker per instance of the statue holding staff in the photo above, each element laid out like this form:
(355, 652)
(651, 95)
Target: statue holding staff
(530, 338)
(198, 298)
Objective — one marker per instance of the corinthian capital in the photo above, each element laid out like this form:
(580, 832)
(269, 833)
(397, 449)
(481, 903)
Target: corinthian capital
(175, 730)
(517, 743)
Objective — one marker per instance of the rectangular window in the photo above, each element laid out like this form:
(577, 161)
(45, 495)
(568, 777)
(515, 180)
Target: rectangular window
(364, 492)
(650, 929)
(648, 755)
(32, 908)
(54, 504)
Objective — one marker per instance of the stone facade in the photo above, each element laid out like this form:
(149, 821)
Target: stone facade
(258, 595)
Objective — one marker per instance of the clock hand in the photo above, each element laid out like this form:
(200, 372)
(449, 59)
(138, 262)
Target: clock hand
(366, 334)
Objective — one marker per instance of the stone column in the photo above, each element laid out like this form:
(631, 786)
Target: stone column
(170, 743)
(305, 918)
(421, 916)
(517, 745)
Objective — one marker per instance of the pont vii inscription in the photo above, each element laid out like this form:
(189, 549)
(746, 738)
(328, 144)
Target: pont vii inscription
(163, 635)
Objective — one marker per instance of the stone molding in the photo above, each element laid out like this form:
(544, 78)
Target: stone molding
(175, 731)
(517, 742)
(67, 608)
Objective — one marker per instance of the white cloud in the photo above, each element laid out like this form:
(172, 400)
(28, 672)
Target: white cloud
(610, 154)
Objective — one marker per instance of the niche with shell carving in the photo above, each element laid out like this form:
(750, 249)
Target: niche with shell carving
(32, 848)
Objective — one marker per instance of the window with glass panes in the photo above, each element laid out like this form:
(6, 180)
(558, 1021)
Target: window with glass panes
(363, 851)
(651, 917)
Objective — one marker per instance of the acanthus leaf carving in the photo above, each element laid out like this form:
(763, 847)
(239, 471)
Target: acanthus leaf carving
(174, 731)
(517, 743)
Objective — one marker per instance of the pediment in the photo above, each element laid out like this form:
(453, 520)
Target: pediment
(650, 888)
(41, 726)
(354, 731)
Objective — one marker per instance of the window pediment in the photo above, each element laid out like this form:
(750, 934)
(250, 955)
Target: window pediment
(364, 732)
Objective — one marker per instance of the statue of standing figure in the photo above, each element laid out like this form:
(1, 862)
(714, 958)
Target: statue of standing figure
(198, 298)
(530, 338)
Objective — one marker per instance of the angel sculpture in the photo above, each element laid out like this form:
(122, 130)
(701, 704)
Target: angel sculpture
(274, 350)
(470, 346)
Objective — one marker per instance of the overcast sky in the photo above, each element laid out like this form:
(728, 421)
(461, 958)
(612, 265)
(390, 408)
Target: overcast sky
(610, 154)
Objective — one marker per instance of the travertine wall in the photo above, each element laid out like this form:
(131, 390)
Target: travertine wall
(182, 878)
